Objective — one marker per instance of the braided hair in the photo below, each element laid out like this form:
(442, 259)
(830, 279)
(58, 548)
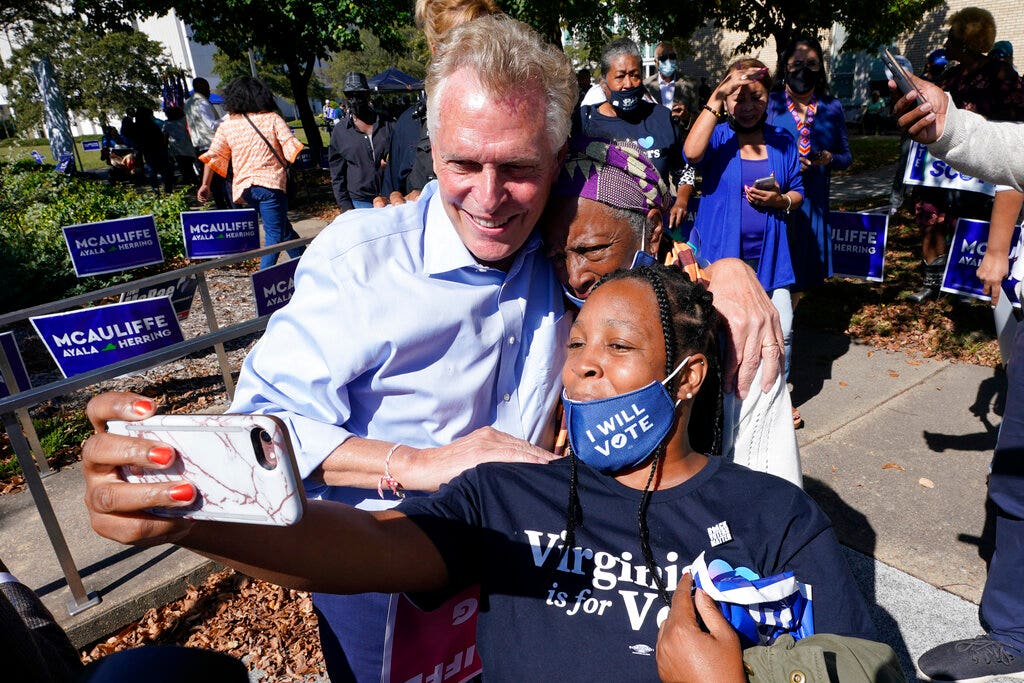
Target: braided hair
(688, 323)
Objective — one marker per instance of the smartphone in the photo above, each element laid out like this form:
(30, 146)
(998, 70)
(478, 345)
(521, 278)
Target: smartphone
(899, 76)
(242, 466)
(766, 183)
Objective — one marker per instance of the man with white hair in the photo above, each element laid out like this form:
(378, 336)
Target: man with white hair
(427, 338)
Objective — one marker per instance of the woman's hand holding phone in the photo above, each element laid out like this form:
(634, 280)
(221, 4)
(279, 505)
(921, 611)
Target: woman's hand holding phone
(765, 193)
(117, 509)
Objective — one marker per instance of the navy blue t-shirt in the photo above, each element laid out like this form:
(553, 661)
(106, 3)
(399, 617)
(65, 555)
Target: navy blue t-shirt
(595, 616)
(651, 128)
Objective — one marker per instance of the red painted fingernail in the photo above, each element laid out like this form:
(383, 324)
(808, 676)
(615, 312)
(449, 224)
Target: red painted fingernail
(182, 492)
(142, 407)
(161, 455)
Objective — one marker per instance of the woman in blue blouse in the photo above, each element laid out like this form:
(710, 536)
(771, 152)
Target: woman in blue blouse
(801, 104)
(736, 219)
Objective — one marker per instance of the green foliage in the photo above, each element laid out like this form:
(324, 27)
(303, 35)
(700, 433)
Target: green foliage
(99, 74)
(374, 58)
(36, 202)
(229, 68)
(871, 152)
(292, 33)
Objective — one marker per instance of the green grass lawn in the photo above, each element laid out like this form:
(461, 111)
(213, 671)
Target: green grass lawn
(90, 160)
(872, 151)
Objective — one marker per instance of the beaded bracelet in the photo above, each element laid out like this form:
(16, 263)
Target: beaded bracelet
(387, 479)
(717, 114)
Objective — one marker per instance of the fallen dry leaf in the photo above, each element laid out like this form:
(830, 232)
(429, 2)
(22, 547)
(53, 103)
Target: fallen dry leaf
(870, 354)
(913, 362)
(893, 373)
(894, 466)
(927, 483)
(843, 384)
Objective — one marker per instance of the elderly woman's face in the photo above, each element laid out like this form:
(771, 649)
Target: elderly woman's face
(586, 240)
(625, 72)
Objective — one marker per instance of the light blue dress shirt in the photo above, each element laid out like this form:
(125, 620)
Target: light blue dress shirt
(396, 333)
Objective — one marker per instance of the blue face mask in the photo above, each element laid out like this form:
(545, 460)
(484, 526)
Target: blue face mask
(640, 258)
(620, 432)
(667, 68)
(626, 100)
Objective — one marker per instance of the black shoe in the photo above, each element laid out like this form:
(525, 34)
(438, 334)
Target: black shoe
(972, 661)
(922, 295)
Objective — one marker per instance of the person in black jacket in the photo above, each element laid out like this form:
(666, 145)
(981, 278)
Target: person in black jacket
(359, 149)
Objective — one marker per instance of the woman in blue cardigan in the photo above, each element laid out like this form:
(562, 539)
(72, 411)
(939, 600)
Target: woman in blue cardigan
(802, 105)
(735, 218)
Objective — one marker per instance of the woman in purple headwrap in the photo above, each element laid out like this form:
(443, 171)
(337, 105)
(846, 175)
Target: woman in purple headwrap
(605, 214)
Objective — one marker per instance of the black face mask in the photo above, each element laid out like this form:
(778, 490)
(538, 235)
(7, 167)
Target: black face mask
(802, 80)
(627, 100)
(734, 124)
(363, 110)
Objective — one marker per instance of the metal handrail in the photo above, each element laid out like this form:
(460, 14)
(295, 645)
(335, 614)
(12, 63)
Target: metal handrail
(14, 408)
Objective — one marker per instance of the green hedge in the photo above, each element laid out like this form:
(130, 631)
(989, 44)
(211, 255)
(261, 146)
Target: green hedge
(36, 202)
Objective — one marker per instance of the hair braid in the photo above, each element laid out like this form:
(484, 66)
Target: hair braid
(689, 324)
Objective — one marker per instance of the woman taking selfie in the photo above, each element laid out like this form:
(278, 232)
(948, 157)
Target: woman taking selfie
(578, 557)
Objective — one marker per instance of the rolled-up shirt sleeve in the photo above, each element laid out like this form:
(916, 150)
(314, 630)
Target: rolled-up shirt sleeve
(219, 155)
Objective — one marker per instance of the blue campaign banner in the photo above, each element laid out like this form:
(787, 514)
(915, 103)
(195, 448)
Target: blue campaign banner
(80, 341)
(39, 158)
(66, 163)
(91, 145)
(970, 242)
(182, 291)
(858, 244)
(9, 346)
(273, 287)
(209, 234)
(924, 169)
(113, 246)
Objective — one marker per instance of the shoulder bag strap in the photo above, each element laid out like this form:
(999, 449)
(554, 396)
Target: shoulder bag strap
(269, 146)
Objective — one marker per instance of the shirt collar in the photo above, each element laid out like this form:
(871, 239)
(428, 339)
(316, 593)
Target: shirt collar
(443, 250)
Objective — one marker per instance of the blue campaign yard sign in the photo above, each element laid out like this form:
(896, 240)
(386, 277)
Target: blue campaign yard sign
(113, 246)
(91, 145)
(273, 287)
(80, 341)
(9, 346)
(209, 234)
(970, 241)
(858, 244)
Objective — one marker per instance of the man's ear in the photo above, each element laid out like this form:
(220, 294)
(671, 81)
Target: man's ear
(692, 376)
(654, 221)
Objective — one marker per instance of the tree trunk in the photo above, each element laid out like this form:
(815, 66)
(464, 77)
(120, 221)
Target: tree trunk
(299, 77)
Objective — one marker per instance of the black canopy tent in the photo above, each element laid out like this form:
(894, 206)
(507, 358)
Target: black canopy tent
(393, 80)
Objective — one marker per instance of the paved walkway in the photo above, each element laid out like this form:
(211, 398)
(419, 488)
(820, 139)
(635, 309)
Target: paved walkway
(896, 450)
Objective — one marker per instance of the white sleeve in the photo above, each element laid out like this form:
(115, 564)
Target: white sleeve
(989, 150)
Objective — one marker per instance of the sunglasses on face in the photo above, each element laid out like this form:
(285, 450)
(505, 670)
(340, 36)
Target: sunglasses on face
(667, 56)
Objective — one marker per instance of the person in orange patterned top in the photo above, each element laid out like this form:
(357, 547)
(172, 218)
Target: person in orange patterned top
(259, 145)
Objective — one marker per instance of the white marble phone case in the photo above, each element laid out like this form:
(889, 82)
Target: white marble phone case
(241, 465)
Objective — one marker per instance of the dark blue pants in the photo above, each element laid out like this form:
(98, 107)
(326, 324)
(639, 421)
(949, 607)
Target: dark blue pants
(272, 206)
(1002, 603)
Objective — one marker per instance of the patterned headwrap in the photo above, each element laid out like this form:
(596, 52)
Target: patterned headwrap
(614, 173)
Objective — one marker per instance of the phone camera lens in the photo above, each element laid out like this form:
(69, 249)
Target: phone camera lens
(263, 448)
